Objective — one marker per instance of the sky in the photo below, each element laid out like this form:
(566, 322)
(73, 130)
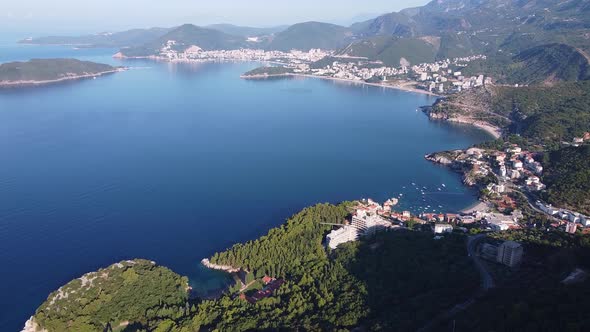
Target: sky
(53, 16)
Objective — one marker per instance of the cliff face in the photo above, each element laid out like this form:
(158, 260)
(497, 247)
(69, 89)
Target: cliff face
(32, 326)
(456, 161)
(434, 113)
(439, 158)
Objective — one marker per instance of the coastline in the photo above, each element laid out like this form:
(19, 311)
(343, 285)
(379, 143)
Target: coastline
(119, 55)
(475, 207)
(388, 86)
(490, 129)
(9, 84)
(224, 268)
(32, 326)
(380, 85)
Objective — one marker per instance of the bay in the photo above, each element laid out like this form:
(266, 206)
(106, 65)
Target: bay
(173, 162)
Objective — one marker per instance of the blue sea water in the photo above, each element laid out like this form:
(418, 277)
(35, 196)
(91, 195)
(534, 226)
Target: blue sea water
(173, 162)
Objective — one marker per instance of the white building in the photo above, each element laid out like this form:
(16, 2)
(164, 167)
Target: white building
(369, 224)
(510, 253)
(503, 171)
(442, 228)
(341, 235)
(500, 222)
(466, 219)
(514, 174)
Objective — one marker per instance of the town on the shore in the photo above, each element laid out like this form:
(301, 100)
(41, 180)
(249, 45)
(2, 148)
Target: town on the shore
(439, 77)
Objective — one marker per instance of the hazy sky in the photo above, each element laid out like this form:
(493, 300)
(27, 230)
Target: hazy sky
(92, 15)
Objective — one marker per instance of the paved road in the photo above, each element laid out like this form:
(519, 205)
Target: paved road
(532, 205)
(487, 281)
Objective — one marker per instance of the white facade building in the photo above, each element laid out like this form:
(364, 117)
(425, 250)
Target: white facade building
(366, 225)
(341, 235)
(442, 228)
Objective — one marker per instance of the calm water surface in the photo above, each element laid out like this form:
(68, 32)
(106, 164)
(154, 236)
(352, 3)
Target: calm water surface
(172, 162)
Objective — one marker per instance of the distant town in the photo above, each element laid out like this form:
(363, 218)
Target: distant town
(440, 77)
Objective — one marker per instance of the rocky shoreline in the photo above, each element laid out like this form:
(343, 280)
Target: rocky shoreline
(495, 131)
(32, 326)
(449, 159)
(225, 268)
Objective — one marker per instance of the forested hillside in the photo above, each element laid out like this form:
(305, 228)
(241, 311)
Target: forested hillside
(542, 115)
(567, 174)
(534, 296)
(308, 35)
(394, 51)
(137, 293)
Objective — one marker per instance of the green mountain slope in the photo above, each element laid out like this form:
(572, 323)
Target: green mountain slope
(391, 50)
(309, 35)
(549, 64)
(235, 30)
(545, 115)
(567, 176)
(545, 64)
(393, 24)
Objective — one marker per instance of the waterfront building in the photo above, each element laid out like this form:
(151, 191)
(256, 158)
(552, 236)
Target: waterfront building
(510, 253)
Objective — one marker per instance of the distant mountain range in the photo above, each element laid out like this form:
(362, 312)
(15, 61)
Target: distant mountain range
(512, 33)
(246, 31)
(187, 35)
(128, 38)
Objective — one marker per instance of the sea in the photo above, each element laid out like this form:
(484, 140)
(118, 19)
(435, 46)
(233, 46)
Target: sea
(173, 162)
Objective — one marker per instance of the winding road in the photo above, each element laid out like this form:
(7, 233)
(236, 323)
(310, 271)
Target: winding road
(487, 282)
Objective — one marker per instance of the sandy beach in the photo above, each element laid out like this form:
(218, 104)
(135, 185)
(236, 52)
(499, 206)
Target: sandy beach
(381, 85)
(492, 130)
(478, 206)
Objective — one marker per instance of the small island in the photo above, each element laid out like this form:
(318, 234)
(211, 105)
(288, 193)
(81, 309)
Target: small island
(267, 72)
(46, 71)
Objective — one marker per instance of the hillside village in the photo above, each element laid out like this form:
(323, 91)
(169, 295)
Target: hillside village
(510, 181)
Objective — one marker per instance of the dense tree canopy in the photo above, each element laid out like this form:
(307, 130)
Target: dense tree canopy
(567, 174)
(138, 293)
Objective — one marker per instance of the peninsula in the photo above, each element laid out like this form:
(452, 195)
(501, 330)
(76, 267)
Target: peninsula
(46, 71)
